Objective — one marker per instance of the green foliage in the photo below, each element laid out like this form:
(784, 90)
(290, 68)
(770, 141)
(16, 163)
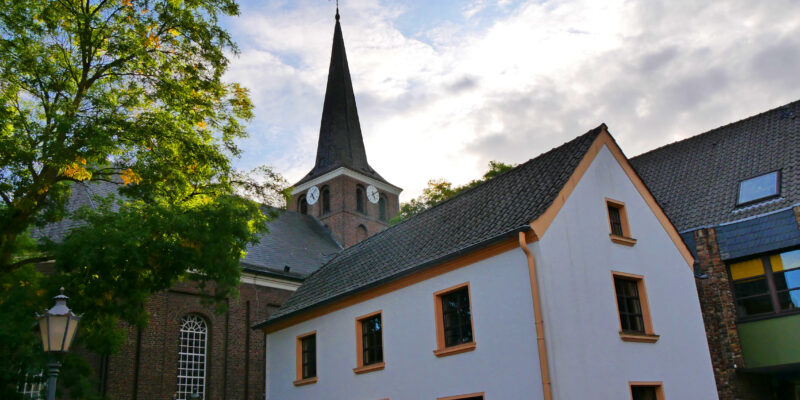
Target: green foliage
(439, 190)
(128, 93)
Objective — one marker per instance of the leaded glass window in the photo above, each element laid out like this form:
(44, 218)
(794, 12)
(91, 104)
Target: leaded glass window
(192, 353)
(308, 349)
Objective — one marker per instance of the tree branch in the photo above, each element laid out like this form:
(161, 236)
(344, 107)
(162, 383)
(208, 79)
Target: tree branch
(29, 261)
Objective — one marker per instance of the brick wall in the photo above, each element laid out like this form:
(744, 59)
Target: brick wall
(146, 366)
(719, 315)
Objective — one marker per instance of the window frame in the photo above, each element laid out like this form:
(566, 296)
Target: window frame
(179, 393)
(300, 380)
(648, 336)
(658, 385)
(777, 194)
(442, 350)
(626, 238)
(772, 291)
(362, 368)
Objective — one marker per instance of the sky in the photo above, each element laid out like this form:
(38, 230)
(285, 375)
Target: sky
(444, 87)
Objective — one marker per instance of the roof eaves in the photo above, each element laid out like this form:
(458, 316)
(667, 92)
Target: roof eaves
(406, 272)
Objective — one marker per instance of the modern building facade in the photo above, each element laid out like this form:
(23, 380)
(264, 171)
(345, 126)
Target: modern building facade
(560, 279)
(734, 195)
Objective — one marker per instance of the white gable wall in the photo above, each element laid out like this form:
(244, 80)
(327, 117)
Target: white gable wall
(504, 365)
(574, 259)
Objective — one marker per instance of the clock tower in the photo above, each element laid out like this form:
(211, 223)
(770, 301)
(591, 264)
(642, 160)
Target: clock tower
(342, 190)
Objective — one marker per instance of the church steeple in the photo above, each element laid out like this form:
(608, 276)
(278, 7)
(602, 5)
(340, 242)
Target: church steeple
(342, 191)
(340, 141)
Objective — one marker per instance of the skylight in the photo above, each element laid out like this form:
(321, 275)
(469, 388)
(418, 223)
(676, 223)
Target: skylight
(759, 188)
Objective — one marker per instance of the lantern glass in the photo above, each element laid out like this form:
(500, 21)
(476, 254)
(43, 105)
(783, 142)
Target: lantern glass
(44, 331)
(72, 327)
(58, 327)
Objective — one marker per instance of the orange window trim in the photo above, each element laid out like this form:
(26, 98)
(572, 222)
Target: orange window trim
(541, 224)
(658, 385)
(441, 349)
(299, 360)
(425, 274)
(360, 367)
(649, 335)
(463, 396)
(626, 238)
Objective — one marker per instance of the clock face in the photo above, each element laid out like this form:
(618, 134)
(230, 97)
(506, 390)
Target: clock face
(372, 194)
(312, 195)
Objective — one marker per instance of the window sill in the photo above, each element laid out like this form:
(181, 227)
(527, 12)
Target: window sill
(622, 240)
(307, 381)
(369, 368)
(461, 348)
(638, 337)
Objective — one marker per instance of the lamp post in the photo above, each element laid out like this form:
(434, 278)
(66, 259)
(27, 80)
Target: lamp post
(57, 326)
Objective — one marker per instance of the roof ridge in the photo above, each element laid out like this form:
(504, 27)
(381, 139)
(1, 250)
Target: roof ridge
(754, 116)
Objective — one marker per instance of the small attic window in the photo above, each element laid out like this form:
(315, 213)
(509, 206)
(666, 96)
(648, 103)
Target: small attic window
(759, 188)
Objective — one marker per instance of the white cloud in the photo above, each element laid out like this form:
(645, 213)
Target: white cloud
(654, 71)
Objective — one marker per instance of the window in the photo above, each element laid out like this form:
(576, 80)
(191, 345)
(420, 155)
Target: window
(192, 357)
(632, 308)
(325, 194)
(302, 205)
(647, 391)
(33, 387)
(361, 232)
(767, 285)
(382, 208)
(618, 223)
(369, 343)
(453, 321)
(306, 359)
(359, 198)
(759, 188)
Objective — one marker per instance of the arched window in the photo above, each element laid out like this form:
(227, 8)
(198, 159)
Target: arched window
(325, 194)
(360, 198)
(302, 205)
(361, 233)
(192, 357)
(382, 208)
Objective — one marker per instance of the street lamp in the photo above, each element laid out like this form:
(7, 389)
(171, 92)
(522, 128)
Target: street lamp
(57, 326)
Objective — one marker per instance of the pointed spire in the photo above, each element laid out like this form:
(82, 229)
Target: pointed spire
(340, 141)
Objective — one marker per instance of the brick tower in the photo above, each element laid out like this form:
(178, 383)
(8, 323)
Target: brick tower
(342, 190)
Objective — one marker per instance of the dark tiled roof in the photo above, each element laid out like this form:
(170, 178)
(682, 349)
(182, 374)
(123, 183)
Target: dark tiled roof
(298, 241)
(340, 141)
(696, 181)
(758, 235)
(499, 207)
(294, 240)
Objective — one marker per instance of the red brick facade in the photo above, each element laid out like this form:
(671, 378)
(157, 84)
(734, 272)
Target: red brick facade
(343, 220)
(719, 316)
(146, 367)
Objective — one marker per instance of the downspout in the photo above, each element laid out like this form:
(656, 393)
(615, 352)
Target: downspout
(537, 315)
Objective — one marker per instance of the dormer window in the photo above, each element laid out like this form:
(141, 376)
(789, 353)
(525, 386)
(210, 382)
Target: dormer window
(759, 188)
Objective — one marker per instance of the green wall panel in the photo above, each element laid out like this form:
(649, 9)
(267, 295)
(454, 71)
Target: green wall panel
(770, 342)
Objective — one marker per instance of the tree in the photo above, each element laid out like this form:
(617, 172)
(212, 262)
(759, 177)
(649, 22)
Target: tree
(439, 190)
(129, 93)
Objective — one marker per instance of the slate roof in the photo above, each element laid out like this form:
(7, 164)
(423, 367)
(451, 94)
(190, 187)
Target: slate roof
(763, 234)
(298, 241)
(475, 218)
(340, 141)
(696, 180)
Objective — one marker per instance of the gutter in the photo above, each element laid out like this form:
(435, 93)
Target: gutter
(447, 257)
(537, 314)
